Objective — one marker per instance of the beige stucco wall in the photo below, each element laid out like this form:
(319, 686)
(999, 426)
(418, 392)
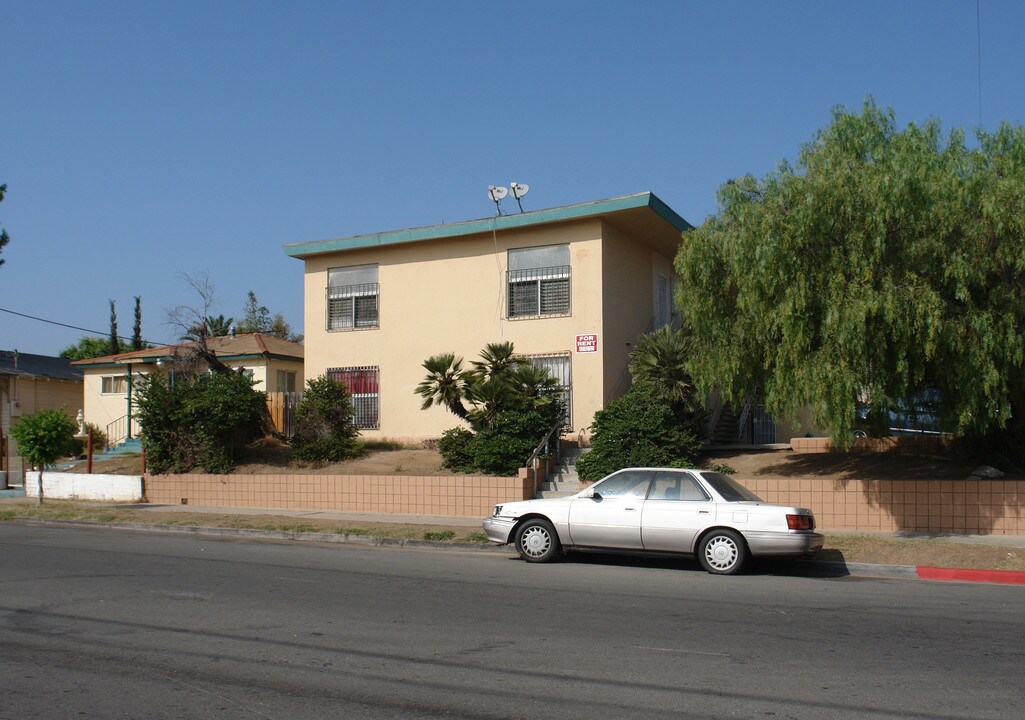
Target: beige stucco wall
(100, 409)
(23, 396)
(629, 282)
(449, 295)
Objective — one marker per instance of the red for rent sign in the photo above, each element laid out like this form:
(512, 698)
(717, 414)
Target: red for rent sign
(587, 343)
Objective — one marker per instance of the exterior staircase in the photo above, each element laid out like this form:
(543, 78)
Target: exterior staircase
(726, 429)
(129, 446)
(562, 479)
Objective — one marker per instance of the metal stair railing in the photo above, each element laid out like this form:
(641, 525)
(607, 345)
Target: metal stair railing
(117, 431)
(542, 447)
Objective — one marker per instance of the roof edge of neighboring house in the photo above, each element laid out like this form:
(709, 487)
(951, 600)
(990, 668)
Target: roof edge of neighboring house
(151, 355)
(594, 208)
(32, 366)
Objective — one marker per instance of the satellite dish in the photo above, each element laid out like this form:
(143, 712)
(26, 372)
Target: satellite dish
(496, 193)
(518, 191)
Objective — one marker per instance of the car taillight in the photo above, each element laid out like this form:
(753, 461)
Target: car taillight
(800, 522)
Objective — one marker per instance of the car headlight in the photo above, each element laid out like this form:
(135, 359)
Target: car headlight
(497, 511)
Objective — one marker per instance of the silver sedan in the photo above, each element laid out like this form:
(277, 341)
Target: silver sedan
(698, 513)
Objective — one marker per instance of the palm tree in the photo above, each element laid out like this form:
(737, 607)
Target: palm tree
(534, 383)
(496, 360)
(444, 384)
(659, 362)
(218, 326)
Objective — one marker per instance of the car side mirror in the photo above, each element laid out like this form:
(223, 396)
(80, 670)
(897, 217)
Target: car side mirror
(589, 493)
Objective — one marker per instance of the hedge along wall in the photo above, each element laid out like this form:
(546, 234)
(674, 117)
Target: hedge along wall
(464, 495)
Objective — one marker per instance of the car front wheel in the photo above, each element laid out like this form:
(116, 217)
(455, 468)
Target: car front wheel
(722, 552)
(536, 541)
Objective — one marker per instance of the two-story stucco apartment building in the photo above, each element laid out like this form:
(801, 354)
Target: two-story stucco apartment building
(572, 287)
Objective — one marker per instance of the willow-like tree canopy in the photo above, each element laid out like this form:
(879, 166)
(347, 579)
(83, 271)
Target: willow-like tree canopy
(886, 261)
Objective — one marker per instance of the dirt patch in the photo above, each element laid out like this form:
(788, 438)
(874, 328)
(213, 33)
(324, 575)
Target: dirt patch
(273, 458)
(844, 466)
(268, 458)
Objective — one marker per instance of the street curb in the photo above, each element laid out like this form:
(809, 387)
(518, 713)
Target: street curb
(829, 568)
(1003, 577)
(291, 535)
(820, 568)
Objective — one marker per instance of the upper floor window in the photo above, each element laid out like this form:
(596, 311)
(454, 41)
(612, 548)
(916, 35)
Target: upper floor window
(114, 384)
(666, 312)
(539, 281)
(352, 294)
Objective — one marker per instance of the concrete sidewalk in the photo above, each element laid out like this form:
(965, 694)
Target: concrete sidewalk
(1015, 541)
(320, 515)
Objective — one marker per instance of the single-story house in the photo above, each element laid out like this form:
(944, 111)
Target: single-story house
(274, 364)
(29, 383)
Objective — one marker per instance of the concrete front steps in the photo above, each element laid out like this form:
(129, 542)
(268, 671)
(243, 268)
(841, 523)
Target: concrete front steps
(131, 446)
(562, 479)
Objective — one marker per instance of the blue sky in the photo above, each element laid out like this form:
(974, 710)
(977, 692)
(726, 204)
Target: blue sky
(143, 140)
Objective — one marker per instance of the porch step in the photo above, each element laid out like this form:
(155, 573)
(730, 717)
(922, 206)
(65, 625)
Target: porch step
(563, 479)
(132, 446)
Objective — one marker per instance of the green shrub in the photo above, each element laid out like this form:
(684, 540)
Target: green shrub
(325, 430)
(503, 448)
(638, 430)
(202, 421)
(99, 440)
(45, 436)
(456, 449)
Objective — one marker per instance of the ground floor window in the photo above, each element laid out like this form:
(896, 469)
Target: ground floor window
(286, 380)
(114, 384)
(558, 366)
(363, 383)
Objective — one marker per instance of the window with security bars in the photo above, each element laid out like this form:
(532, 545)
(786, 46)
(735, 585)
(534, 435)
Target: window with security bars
(352, 298)
(539, 281)
(558, 366)
(363, 385)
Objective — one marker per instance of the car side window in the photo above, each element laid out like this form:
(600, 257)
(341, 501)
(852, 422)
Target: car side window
(676, 486)
(629, 483)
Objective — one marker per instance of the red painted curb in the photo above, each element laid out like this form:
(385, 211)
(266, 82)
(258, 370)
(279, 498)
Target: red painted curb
(1006, 577)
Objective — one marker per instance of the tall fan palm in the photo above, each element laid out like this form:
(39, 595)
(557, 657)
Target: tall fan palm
(444, 384)
(496, 360)
(659, 362)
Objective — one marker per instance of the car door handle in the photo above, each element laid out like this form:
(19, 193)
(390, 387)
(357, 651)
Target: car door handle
(629, 509)
(704, 512)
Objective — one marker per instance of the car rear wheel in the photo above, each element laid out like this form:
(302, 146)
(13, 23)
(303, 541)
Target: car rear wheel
(536, 541)
(722, 552)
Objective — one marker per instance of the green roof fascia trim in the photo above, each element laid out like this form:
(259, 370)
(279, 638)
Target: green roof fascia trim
(499, 222)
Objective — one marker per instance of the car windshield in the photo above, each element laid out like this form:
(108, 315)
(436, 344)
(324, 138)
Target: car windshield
(729, 489)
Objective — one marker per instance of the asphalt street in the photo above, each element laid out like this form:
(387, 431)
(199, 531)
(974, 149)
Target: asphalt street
(102, 623)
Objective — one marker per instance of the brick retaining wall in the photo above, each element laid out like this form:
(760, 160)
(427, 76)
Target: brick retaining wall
(465, 495)
(953, 506)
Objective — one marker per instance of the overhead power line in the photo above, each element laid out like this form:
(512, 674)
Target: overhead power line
(73, 327)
